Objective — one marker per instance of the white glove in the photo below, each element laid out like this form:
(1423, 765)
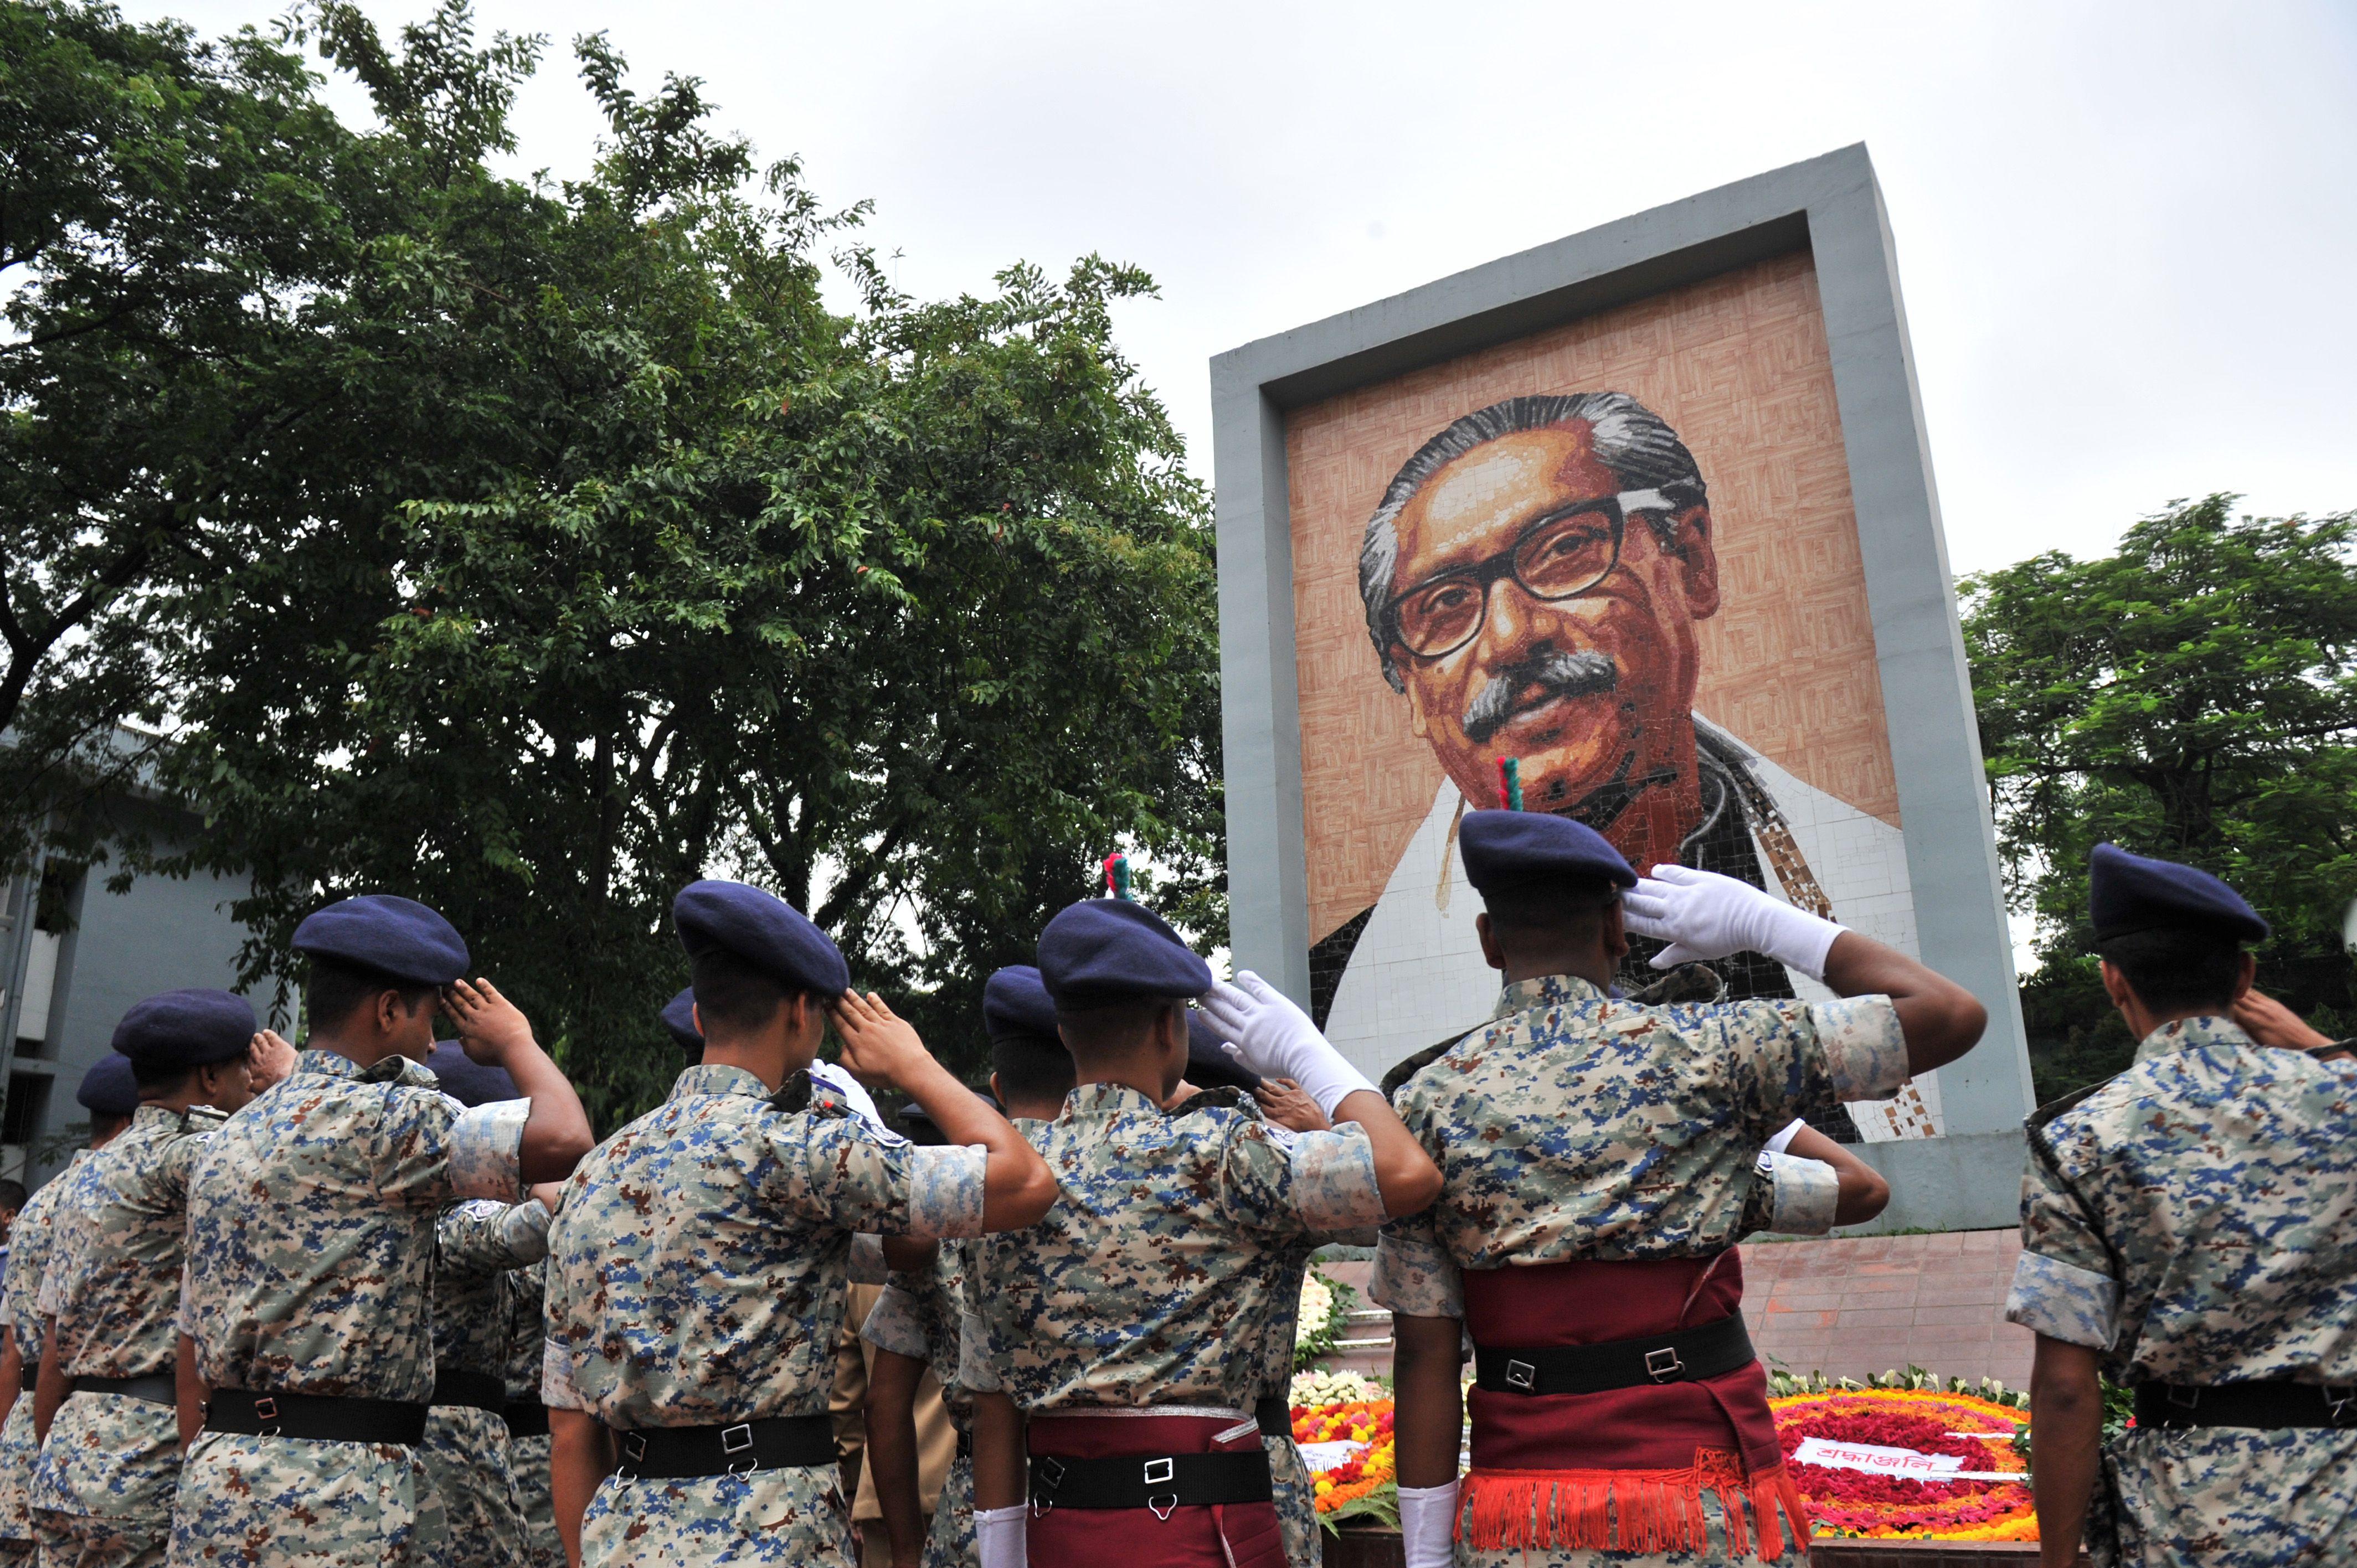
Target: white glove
(1263, 1030)
(1784, 1140)
(1428, 1525)
(1702, 914)
(998, 1536)
(850, 1088)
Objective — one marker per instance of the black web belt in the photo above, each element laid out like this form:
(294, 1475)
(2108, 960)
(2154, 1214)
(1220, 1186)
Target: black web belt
(526, 1418)
(157, 1387)
(965, 1445)
(1685, 1356)
(680, 1453)
(320, 1417)
(1274, 1416)
(478, 1391)
(1169, 1481)
(32, 1376)
(2277, 1403)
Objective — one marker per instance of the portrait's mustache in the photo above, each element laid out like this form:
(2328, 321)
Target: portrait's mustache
(1582, 674)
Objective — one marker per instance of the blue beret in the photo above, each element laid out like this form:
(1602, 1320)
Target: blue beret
(399, 937)
(110, 1089)
(1504, 848)
(467, 1081)
(1208, 1066)
(187, 1029)
(1110, 950)
(764, 930)
(2128, 892)
(1015, 1006)
(679, 1017)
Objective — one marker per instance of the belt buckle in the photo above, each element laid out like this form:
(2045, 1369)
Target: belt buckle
(1661, 1370)
(1049, 1469)
(1522, 1375)
(2335, 1407)
(2191, 1397)
(265, 1413)
(738, 1438)
(1160, 1470)
(634, 1453)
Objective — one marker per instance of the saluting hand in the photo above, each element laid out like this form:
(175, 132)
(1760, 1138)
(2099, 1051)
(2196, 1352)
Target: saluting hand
(489, 1025)
(877, 1043)
(269, 1060)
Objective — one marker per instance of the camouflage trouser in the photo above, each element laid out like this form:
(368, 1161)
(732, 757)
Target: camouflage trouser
(18, 1452)
(528, 1458)
(795, 1515)
(950, 1543)
(466, 1454)
(2225, 1497)
(295, 1502)
(1297, 1503)
(74, 1540)
(1718, 1556)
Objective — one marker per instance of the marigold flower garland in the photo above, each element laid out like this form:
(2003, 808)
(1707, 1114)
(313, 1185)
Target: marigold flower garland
(1367, 1482)
(1930, 1421)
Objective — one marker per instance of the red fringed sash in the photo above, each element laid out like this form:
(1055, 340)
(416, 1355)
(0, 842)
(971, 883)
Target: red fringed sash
(1623, 1470)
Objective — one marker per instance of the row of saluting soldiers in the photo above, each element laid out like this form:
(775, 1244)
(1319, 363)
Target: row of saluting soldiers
(339, 1307)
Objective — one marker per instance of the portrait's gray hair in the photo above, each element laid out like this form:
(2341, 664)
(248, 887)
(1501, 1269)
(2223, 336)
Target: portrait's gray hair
(1629, 438)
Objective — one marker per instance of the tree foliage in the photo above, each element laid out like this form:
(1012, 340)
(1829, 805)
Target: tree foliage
(635, 560)
(2193, 696)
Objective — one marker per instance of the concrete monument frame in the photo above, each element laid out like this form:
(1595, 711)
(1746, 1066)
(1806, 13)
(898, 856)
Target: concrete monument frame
(1832, 207)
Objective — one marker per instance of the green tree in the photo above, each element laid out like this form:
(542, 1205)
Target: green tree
(172, 213)
(635, 562)
(2191, 696)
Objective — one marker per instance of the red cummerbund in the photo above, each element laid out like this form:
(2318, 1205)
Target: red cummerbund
(1623, 1469)
(1215, 1536)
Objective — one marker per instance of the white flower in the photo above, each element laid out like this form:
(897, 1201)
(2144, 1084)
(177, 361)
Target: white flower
(1316, 1388)
(1317, 1307)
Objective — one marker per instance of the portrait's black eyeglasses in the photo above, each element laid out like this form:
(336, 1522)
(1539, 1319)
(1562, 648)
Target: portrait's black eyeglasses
(1561, 556)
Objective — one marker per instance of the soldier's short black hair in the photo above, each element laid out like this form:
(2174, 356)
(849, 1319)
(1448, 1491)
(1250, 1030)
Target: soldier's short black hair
(2172, 970)
(1567, 905)
(335, 990)
(157, 1079)
(1029, 1068)
(12, 1196)
(732, 994)
(1114, 1026)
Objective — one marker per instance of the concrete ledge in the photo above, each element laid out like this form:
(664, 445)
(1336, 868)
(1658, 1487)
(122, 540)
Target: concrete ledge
(1971, 1181)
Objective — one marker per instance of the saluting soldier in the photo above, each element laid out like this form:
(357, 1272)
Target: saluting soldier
(698, 1269)
(2190, 1228)
(1114, 1325)
(1599, 1161)
(1283, 1104)
(311, 1221)
(918, 1323)
(106, 1408)
(478, 1245)
(110, 1092)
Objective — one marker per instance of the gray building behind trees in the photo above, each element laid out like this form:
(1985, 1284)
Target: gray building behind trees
(73, 956)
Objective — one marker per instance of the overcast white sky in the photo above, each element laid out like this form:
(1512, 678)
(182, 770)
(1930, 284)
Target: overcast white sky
(2128, 233)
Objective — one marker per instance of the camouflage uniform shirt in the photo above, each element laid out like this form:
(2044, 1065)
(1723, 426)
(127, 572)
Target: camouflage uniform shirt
(112, 1284)
(1575, 1126)
(29, 1242)
(697, 1275)
(1160, 1257)
(476, 1244)
(311, 1219)
(2195, 1220)
(526, 1298)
